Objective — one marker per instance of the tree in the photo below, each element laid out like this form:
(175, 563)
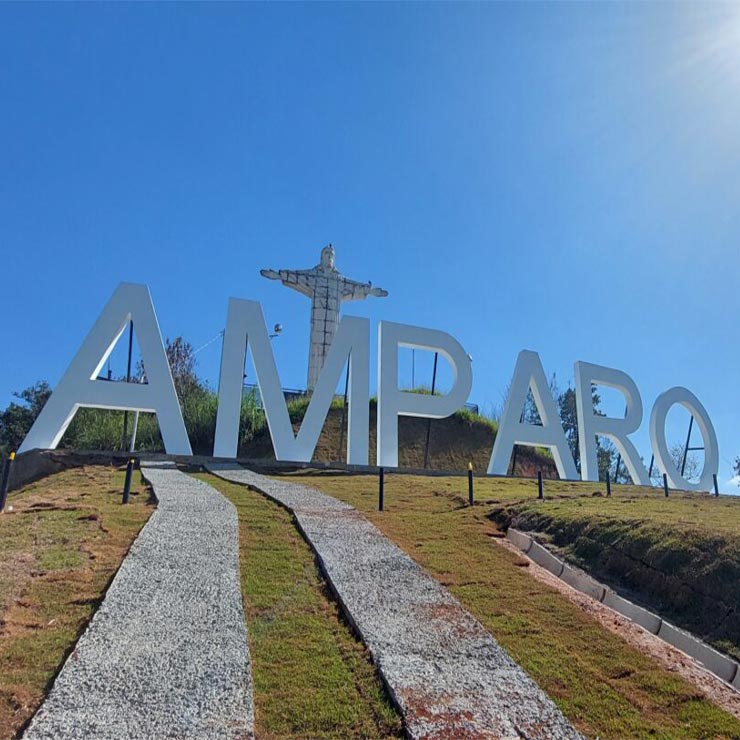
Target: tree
(198, 402)
(529, 415)
(606, 455)
(605, 452)
(569, 420)
(16, 420)
(691, 471)
(181, 359)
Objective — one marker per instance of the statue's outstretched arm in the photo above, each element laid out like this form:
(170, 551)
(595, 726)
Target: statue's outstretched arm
(300, 280)
(354, 291)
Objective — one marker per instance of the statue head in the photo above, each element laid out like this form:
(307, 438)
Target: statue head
(327, 257)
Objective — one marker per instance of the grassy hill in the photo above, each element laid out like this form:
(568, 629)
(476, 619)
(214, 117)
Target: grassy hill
(453, 442)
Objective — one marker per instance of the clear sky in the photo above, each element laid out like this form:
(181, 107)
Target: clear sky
(557, 177)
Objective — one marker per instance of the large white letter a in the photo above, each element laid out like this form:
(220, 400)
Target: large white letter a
(512, 430)
(79, 387)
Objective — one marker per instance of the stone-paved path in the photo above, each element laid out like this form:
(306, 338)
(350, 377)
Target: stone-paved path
(166, 654)
(449, 677)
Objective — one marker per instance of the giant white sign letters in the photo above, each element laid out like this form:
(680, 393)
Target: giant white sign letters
(245, 326)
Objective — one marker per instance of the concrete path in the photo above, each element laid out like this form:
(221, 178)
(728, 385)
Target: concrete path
(449, 677)
(166, 654)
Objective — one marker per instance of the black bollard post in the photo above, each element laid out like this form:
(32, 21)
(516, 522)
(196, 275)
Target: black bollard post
(716, 486)
(381, 486)
(665, 484)
(127, 482)
(608, 484)
(470, 483)
(6, 480)
(540, 491)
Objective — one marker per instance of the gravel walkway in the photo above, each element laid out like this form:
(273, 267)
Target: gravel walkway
(449, 677)
(166, 654)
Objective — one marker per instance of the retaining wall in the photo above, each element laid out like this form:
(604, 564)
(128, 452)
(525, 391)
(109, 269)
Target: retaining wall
(720, 665)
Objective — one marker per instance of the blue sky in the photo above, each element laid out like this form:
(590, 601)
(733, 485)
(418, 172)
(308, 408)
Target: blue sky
(557, 177)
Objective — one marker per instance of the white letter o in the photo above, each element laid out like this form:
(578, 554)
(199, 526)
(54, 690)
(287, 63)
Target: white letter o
(689, 401)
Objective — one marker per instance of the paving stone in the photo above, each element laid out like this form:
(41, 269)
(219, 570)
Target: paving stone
(166, 654)
(446, 673)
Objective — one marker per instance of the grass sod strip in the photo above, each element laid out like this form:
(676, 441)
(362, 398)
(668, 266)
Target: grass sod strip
(59, 549)
(604, 686)
(312, 677)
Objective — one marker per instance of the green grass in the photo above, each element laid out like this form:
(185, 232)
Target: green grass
(59, 548)
(60, 558)
(312, 678)
(607, 688)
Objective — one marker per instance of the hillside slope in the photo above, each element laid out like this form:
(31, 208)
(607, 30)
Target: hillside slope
(679, 556)
(453, 443)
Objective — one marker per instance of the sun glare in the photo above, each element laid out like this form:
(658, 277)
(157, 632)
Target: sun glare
(716, 46)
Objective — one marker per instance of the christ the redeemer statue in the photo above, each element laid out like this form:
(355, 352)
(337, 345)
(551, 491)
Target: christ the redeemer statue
(327, 289)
